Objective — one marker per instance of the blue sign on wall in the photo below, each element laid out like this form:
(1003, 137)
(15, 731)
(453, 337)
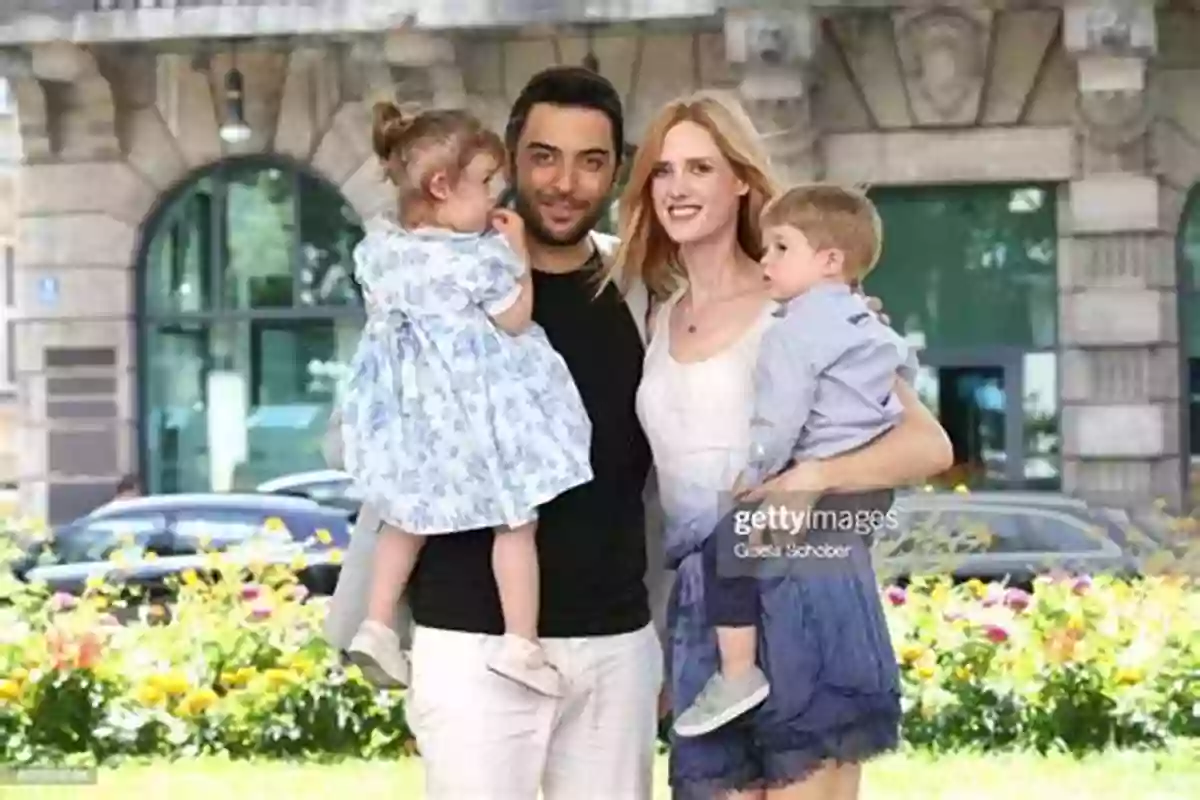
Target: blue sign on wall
(48, 291)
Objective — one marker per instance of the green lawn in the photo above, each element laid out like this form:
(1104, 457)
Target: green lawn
(1115, 776)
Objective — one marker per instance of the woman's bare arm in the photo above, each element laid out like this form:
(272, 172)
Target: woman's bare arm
(915, 450)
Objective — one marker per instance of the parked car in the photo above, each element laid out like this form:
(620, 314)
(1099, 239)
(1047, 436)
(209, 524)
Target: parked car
(323, 485)
(159, 536)
(1009, 536)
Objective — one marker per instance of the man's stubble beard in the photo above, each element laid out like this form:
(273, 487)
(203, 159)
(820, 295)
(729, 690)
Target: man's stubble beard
(527, 210)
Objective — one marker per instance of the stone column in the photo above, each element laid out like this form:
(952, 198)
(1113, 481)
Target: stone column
(1119, 333)
(79, 210)
(774, 51)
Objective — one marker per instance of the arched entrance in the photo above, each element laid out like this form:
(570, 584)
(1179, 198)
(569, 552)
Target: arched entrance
(246, 305)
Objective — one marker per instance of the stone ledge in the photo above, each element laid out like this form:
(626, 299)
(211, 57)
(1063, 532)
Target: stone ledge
(910, 158)
(1118, 317)
(1114, 203)
(77, 238)
(1147, 431)
(1125, 482)
(332, 17)
(1136, 375)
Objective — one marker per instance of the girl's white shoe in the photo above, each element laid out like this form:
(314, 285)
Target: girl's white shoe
(375, 650)
(523, 661)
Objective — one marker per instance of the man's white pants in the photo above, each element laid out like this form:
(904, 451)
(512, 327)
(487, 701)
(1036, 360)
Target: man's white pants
(483, 737)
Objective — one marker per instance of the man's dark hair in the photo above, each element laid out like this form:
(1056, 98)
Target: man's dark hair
(570, 87)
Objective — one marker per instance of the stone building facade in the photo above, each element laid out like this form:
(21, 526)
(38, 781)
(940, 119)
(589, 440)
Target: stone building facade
(1082, 117)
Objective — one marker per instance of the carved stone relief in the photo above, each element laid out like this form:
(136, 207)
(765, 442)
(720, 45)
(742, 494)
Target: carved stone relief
(1112, 120)
(943, 54)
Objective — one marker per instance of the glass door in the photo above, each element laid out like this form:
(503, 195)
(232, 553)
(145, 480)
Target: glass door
(972, 395)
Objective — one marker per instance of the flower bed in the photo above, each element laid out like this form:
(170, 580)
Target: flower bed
(242, 669)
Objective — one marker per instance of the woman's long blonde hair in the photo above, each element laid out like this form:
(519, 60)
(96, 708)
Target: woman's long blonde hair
(646, 251)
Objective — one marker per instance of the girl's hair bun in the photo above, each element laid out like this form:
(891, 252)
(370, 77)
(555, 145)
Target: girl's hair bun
(388, 129)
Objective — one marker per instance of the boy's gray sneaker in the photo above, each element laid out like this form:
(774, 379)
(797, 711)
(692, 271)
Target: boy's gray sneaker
(722, 701)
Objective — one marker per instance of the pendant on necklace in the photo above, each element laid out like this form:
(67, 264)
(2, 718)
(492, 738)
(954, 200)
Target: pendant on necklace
(691, 328)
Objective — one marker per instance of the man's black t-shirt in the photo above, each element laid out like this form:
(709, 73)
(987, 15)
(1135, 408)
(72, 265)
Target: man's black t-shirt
(592, 539)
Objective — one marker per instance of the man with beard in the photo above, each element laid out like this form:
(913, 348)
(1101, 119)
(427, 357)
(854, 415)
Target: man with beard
(480, 736)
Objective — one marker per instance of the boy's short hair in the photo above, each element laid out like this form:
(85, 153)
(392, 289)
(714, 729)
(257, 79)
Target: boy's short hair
(832, 217)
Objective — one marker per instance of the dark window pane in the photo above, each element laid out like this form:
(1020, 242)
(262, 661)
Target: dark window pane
(99, 540)
(179, 257)
(219, 529)
(969, 266)
(234, 404)
(329, 230)
(260, 234)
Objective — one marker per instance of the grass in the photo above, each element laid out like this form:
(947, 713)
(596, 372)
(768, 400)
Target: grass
(1127, 775)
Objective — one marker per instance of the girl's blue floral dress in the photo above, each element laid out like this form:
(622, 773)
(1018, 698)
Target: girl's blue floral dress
(449, 423)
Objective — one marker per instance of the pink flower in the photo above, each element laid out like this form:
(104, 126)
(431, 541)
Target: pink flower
(299, 593)
(953, 615)
(251, 591)
(260, 609)
(995, 633)
(1081, 584)
(1017, 599)
(108, 621)
(896, 595)
(61, 601)
(994, 595)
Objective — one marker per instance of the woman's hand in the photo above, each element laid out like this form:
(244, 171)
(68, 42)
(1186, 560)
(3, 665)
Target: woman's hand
(876, 305)
(796, 489)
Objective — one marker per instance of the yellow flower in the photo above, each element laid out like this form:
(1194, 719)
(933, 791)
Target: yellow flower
(925, 671)
(189, 577)
(20, 675)
(280, 677)
(910, 652)
(173, 682)
(196, 702)
(125, 541)
(961, 488)
(962, 673)
(95, 582)
(10, 690)
(150, 556)
(335, 556)
(204, 541)
(303, 666)
(274, 525)
(299, 563)
(1076, 622)
(976, 587)
(324, 536)
(1129, 676)
(117, 558)
(149, 694)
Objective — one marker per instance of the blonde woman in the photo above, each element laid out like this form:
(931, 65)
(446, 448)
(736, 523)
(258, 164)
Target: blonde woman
(690, 229)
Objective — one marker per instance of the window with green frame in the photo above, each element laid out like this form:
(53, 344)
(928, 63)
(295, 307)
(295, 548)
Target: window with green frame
(248, 308)
(1189, 275)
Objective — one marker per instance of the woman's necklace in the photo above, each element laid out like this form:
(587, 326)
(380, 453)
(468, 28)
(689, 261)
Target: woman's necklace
(690, 325)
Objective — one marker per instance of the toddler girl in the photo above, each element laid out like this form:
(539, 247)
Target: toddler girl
(458, 414)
